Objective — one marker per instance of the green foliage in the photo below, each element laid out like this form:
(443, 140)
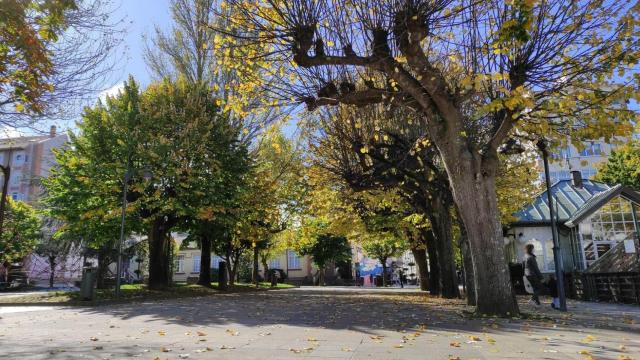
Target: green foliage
(27, 27)
(21, 231)
(179, 151)
(328, 248)
(623, 166)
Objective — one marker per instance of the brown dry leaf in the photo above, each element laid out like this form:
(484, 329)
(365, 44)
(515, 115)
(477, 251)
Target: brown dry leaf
(225, 347)
(232, 332)
(455, 344)
(200, 333)
(583, 352)
(162, 333)
(93, 338)
(164, 349)
(474, 338)
(398, 346)
(297, 351)
(588, 339)
(346, 349)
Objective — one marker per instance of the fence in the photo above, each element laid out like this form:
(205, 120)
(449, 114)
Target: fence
(610, 287)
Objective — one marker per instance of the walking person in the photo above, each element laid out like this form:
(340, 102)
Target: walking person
(532, 273)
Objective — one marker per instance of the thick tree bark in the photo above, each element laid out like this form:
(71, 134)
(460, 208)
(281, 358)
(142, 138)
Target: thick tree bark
(254, 274)
(384, 271)
(52, 270)
(473, 183)
(434, 267)
(420, 257)
(159, 256)
(441, 222)
(265, 268)
(205, 261)
(467, 264)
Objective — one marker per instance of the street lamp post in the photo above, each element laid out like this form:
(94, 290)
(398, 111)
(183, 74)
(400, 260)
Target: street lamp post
(557, 256)
(127, 176)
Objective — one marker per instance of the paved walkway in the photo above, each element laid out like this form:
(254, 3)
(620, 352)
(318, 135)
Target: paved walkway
(315, 323)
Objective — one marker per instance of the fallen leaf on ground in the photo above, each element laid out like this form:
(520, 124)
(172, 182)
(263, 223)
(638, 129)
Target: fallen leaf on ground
(200, 333)
(164, 349)
(346, 349)
(93, 338)
(455, 344)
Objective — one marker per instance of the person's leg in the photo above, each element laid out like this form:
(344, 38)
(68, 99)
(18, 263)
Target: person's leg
(535, 284)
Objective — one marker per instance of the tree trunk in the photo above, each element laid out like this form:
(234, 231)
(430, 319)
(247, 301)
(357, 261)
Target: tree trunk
(473, 183)
(440, 219)
(205, 261)
(254, 273)
(103, 266)
(420, 257)
(52, 270)
(384, 271)
(434, 267)
(233, 270)
(467, 266)
(159, 256)
(265, 268)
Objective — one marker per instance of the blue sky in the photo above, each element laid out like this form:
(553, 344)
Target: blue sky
(141, 17)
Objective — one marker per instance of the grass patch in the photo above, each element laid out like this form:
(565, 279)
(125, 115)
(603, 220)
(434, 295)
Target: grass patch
(131, 292)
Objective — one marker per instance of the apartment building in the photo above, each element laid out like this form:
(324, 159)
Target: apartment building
(585, 160)
(30, 158)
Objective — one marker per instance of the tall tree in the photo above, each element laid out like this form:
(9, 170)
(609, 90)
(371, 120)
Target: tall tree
(622, 166)
(55, 55)
(477, 72)
(147, 140)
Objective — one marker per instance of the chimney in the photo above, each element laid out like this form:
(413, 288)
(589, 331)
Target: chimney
(576, 177)
(52, 131)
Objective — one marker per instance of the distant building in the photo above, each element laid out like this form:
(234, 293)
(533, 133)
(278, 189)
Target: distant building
(570, 158)
(592, 217)
(30, 159)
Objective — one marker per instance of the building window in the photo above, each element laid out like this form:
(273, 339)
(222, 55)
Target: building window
(564, 153)
(215, 262)
(179, 264)
(15, 196)
(592, 149)
(588, 173)
(274, 264)
(611, 224)
(196, 264)
(293, 259)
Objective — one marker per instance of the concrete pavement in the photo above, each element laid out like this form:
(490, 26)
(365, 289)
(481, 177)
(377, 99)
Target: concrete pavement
(327, 323)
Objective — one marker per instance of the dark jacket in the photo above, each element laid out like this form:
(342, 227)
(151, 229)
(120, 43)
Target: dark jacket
(531, 266)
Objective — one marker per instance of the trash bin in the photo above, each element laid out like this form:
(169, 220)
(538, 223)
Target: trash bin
(87, 291)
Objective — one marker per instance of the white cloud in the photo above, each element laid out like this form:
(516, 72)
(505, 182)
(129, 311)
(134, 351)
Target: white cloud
(9, 132)
(112, 91)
